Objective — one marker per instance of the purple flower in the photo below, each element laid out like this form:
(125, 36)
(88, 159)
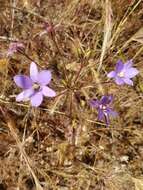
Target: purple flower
(104, 108)
(35, 86)
(14, 47)
(123, 73)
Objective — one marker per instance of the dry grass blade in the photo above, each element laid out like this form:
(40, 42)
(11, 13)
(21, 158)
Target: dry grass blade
(12, 127)
(64, 144)
(138, 183)
(3, 65)
(122, 23)
(13, 4)
(107, 31)
(5, 38)
(138, 36)
(97, 79)
(70, 9)
(52, 111)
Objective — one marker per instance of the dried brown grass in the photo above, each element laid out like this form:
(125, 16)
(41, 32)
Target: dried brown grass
(61, 145)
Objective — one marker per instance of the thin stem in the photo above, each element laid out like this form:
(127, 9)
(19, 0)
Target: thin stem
(78, 74)
(79, 71)
(28, 57)
(27, 11)
(56, 45)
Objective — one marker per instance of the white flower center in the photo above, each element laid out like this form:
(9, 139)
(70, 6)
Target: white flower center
(103, 107)
(36, 86)
(121, 74)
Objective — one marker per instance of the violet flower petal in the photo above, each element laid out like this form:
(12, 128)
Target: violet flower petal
(44, 77)
(106, 100)
(36, 99)
(119, 81)
(128, 64)
(128, 81)
(112, 74)
(111, 112)
(100, 115)
(23, 81)
(33, 72)
(48, 92)
(130, 73)
(94, 103)
(26, 94)
(119, 66)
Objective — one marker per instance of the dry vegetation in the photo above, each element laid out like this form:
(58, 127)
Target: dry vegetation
(61, 145)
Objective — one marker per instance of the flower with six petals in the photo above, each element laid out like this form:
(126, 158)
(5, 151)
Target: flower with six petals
(104, 108)
(123, 73)
(34, 87)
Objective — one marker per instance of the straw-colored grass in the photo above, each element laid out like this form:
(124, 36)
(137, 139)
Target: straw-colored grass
(61, 145)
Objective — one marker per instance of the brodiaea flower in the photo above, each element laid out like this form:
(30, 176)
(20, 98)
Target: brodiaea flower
(35, 86)
(123, 73)
(104, 108)
(14, 47)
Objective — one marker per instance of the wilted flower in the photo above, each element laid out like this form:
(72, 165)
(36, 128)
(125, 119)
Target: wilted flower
(104, 108)
(14, 47)
(49, 28)
(123, 73)
(35, 86)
